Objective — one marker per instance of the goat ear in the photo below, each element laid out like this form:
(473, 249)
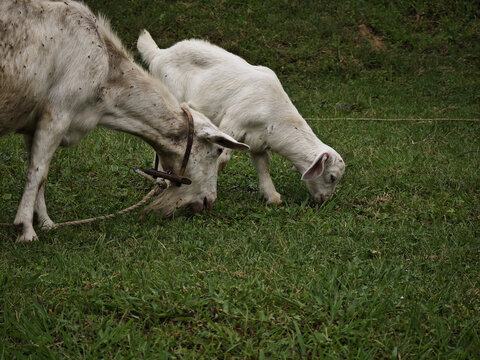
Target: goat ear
(317, 167)
(218, 137)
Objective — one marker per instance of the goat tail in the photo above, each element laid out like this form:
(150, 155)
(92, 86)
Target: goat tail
(147, 47)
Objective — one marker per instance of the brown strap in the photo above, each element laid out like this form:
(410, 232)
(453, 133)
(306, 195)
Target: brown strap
(157, 161)
(169, 176)
(179, 179)
(189, 141)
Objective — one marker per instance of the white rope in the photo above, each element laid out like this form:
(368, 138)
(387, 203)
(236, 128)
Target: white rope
(155, 191)
(158, 187)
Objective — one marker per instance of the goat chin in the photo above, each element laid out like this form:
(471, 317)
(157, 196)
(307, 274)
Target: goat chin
(167, 202)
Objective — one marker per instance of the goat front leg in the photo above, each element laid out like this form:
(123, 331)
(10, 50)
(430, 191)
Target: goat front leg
(267, 189)
(48, 134)
(40, 215)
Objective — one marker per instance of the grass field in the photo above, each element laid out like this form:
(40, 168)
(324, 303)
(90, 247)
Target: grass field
(388, 268)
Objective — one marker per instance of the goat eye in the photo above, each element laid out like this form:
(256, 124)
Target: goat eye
(333, 178)
(220, 151)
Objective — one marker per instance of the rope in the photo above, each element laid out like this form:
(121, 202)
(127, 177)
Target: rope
(157, 189)
(399, 119)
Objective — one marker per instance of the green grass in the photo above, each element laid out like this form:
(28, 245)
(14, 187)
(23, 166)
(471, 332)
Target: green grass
(388, 268)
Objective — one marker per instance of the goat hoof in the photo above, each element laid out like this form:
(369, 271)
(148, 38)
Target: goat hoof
(47, 224)
(274, 200)
(26, 238)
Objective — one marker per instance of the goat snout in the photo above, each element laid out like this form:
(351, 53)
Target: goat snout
(320, 198)
(206, 204)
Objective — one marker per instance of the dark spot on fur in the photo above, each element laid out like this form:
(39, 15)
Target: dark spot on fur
(20, 227)
(36, 219)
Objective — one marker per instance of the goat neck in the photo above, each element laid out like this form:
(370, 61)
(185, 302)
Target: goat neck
(138, 104)
(294, 139)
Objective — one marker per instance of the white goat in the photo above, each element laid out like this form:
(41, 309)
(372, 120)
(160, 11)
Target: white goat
(249, 103)
(62, 73)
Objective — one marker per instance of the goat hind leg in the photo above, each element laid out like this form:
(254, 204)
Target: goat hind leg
(40, 215)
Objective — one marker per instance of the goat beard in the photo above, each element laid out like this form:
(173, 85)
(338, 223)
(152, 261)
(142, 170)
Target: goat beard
(167, 202)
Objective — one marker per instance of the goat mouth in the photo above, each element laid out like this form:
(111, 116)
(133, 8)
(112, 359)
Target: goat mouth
(200, 206)
(196, 207)
(320, 199)
(206, 204)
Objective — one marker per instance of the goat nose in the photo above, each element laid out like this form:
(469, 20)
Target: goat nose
(197, 206)
(209, 201)
(205, 204)
(320, 198)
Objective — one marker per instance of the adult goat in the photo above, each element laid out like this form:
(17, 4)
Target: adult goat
(62, 73)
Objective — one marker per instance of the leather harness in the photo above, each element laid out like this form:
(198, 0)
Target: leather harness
(178, 179)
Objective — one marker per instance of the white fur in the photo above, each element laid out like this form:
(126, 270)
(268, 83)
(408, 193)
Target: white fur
(62, 73)
(249, 103)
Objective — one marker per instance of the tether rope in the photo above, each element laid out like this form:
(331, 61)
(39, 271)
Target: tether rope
(158, 187)
(156, 190)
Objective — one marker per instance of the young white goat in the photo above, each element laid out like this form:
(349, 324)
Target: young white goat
(62, 73)
(249, 103)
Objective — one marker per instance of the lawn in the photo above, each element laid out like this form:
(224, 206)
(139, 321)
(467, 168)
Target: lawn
(388, 268)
